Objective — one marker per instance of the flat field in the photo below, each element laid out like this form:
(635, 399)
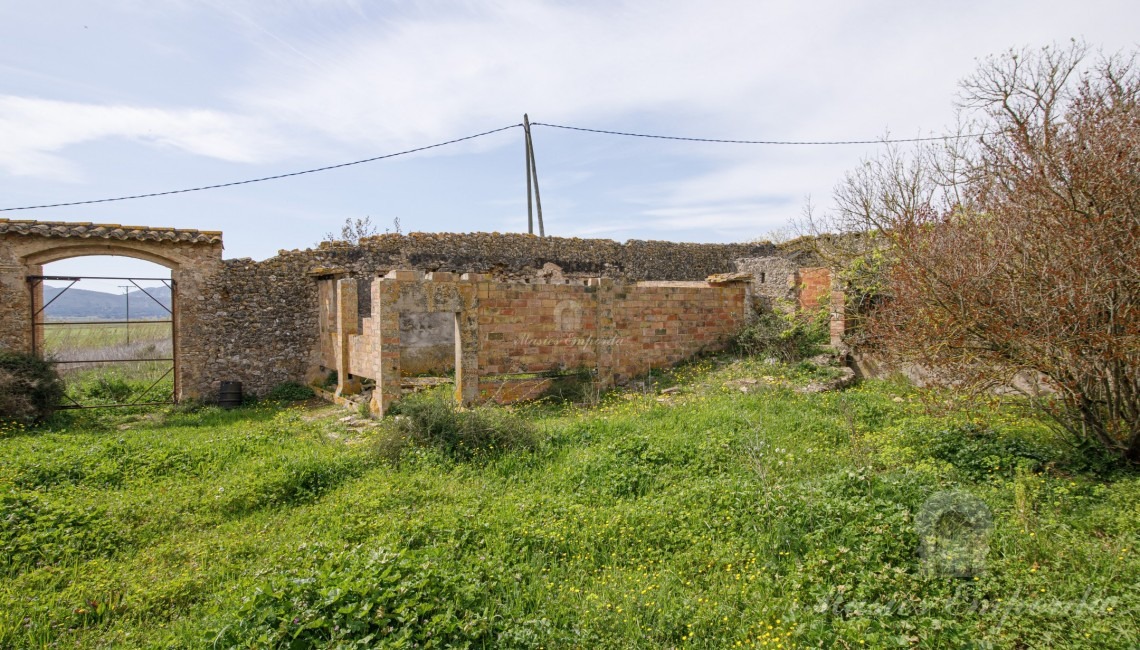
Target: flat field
(709, 517)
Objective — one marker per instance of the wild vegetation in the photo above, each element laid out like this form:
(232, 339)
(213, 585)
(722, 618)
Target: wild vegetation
(731, 512)
(30, 388)
(1010, 250)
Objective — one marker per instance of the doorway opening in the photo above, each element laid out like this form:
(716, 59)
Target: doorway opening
(108, 324)
(427, 350)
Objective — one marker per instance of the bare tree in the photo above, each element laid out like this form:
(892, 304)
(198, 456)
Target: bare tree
(354, 230)
(1018, 250)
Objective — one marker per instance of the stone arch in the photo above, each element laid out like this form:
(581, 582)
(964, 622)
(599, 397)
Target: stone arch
(568, 316)
(193, 257)
(57, 253)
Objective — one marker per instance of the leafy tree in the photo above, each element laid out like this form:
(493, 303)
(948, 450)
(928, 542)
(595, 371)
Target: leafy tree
(1013, 249)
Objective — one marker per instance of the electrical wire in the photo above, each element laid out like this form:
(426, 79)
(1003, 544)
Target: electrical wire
(479, 135)
(771, 142)
(264, 178)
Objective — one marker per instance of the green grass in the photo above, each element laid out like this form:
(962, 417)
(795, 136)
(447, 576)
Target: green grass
(707, 518)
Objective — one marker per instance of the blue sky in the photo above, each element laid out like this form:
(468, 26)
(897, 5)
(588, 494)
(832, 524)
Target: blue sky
(103, 98)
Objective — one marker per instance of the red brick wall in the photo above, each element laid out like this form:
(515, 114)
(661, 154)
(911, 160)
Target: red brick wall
(521, 331)
(659, 325)
(815, 287)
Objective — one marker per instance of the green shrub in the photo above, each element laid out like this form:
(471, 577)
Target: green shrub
(786, 336)
(432, 419)
(30, 387)
(290, 392)
(978, 452)
(110, 389)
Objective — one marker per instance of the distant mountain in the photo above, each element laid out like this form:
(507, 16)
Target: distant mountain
(83, 304)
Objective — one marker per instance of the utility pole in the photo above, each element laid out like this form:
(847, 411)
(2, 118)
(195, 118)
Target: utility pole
(127, 294)
(532, 177)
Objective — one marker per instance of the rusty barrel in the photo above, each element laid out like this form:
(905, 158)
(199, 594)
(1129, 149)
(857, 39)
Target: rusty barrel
(230, 394)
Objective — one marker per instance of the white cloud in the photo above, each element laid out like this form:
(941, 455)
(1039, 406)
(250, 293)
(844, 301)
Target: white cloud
(33, 130)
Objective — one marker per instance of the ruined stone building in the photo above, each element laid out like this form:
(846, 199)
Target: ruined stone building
(503, 312)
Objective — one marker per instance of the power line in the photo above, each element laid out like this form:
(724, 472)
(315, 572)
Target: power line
(264, 178)
(772, 142)
(479, 135)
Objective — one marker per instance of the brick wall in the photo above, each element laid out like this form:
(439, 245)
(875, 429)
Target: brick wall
(526, 328)
(815, 288)
(658, 324)
(510, 332)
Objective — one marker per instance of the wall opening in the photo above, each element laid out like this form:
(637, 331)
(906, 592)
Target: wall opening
(427, 349)
(108, 324)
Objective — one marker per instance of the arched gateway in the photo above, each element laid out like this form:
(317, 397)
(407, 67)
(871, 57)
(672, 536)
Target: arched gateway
(192, 256)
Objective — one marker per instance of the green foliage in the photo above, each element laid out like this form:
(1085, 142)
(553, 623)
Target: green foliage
(783, 335)
(433, 420)
(702, 518)
(30, 388)
(979, 452)
(290, 392)
(364, 599)
(109, 389)
(38, 531)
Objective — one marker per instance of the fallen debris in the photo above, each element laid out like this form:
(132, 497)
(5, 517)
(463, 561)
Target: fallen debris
(844, 380)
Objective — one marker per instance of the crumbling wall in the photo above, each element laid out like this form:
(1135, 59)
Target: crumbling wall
(267, 320)
(511, 336)
(775, 279)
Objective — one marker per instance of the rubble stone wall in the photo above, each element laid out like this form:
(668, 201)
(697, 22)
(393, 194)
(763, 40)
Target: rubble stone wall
(285, 290)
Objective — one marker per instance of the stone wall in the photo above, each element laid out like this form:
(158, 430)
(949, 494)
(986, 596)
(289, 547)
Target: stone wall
(775, 279)
(263, 323)
(266, 317)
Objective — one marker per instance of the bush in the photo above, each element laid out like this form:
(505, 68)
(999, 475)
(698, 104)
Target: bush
(290, 392)
(786, 336)
(30, 388)
(434, 420)
(111, 389)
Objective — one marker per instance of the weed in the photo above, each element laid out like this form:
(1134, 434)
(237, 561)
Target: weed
(432, 419)
(712, 519)
(785, 336)
(290, 392)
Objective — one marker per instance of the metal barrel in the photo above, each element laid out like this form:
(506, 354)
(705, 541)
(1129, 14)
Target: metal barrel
(230, 395)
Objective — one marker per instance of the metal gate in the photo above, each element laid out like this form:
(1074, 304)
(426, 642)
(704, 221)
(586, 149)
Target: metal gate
(134, 383)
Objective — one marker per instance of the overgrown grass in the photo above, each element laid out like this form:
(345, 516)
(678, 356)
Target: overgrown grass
(707, 518)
